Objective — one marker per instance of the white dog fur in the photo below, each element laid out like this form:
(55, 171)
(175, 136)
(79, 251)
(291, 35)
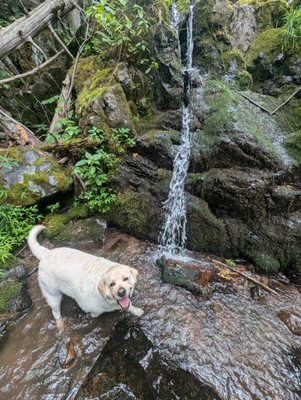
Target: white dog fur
(97, 285)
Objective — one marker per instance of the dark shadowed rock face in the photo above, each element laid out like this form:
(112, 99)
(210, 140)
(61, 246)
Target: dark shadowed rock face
(130, 367)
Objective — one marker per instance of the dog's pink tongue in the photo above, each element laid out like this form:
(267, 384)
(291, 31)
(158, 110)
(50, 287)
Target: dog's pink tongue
(125, 302)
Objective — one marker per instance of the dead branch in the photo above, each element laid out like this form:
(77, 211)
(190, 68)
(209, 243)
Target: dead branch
(68, 145)
(60, 40)
(20, 31)
(247, 277)
(16, 131)
(68, 83)
(63, 104)
(286, 101)
(252, 101)
(32, 71)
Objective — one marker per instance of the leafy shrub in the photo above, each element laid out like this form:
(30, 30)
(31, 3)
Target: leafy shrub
(122, 33)
(95, 166)
(15, 223)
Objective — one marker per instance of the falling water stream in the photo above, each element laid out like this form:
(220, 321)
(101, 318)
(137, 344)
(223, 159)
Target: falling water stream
(173, 234)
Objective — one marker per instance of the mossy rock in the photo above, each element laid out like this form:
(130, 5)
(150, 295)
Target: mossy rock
(205, 232)
(9, 290)
(264, 56)
(14, 296)
(137, 214)
(293, 144)
(33, 175)
(266, 262)
(229, 117)
(268, 12)
(101, 101)
(156, 145)
(74, 226)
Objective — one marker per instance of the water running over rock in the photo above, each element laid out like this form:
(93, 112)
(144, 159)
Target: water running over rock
(173, 234)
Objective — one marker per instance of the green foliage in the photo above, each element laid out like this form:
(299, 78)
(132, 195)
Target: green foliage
(51, 100)
(122, 33)
(123, 139)
(4, 74)
(15, 223)
(52, 208)
(95, 166)
(291, 30)
(6, 162)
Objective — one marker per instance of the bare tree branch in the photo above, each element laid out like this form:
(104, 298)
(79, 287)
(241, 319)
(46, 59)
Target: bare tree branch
(60, 40)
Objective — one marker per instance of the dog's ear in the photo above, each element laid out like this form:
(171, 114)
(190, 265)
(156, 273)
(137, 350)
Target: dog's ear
(103, 288)
(134, 272)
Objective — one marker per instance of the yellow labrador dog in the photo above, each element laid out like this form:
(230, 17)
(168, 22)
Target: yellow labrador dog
(95, 283)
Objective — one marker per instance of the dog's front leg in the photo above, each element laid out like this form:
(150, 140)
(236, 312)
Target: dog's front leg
(135, 310)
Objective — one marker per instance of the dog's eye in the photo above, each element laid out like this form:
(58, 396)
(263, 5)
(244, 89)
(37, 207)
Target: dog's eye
(112, 284)
(125, 278)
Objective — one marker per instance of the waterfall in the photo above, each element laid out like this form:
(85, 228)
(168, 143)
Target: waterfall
(173, 234)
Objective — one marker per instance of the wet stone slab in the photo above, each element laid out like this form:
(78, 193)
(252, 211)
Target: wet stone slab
(131, 367)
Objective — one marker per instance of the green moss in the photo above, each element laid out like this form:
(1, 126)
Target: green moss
(266, 262)
(293, 145)
(9, 290)
(221, 100)
(229, 56)
(56, 222)
(244, 80)
(183, 6)
(129, 213)
(10, 262)
(266, 44)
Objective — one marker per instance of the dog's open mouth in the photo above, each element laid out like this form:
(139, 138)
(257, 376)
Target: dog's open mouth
(124, 303)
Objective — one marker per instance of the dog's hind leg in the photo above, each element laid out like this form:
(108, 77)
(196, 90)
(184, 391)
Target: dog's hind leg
(54, 298)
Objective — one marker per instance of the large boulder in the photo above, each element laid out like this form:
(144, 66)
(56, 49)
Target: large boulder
(32, 175)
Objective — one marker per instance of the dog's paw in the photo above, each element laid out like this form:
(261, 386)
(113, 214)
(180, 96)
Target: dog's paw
(94, 315)
(138, 312)
(60, 324)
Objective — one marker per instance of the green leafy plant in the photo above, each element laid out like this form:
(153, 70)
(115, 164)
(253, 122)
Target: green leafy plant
(95, 166)
(15, 223)
(52, 208)
(291, 30)
(122, 32)
(7, 163)
(93, 171)
(123, 139)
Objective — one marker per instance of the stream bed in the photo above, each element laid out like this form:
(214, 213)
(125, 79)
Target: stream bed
(226, 346)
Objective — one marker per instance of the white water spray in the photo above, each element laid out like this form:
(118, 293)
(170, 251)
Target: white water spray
(173, 234)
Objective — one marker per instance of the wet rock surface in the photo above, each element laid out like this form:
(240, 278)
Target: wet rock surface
(14, 294)
(130, 367)
(225, 345)
(292, 320)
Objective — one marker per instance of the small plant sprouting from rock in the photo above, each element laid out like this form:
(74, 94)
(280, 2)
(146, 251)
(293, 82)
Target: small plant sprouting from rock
(291, 30)
(95, 166)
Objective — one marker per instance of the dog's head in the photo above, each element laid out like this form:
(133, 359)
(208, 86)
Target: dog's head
(118, 284)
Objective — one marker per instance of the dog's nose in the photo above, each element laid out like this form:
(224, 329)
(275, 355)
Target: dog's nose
(121, 292)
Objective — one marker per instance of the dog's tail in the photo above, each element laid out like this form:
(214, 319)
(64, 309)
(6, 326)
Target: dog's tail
(37, 250)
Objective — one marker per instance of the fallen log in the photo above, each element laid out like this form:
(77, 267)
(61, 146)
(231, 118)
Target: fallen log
(25, 28)
(15, 131)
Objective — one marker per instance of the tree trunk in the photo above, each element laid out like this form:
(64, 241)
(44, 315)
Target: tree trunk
(15, 131)
(22, 30)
